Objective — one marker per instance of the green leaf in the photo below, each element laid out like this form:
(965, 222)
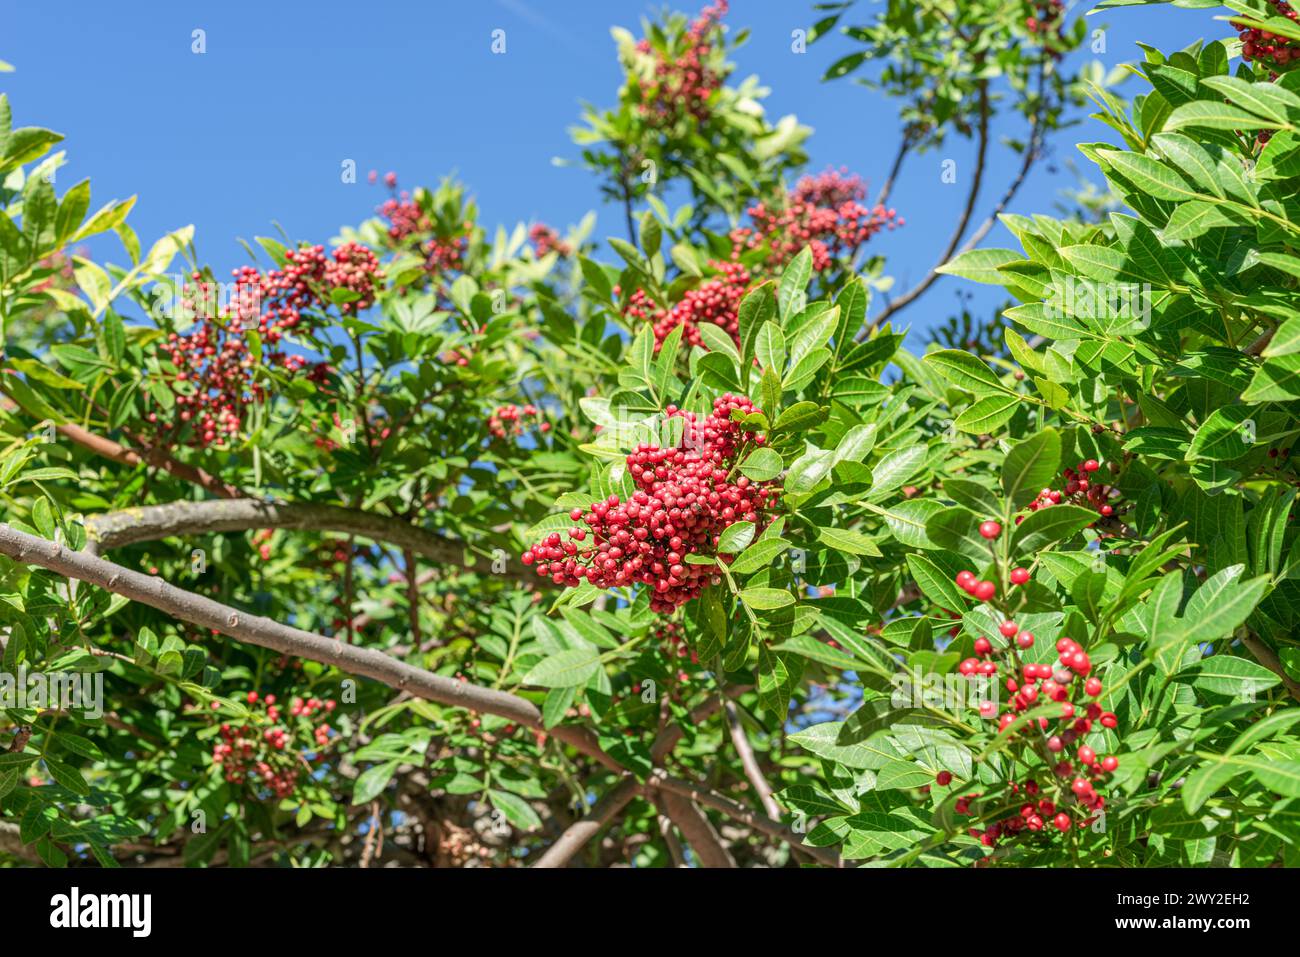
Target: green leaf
(517, 810)
(778, 675)
(849, 541)
(761, 465)
(965, 371)
(896, 468)
(770, 347)
(759, 555)
(1277, 380)
(822, 740)
(371, 782)
(735, 538)
(982, 265)
(1031, 466)
(1223, 436)
(988, 414)
(1229, 675)
(935, 583)
(1047, 526)
(1153, 178)
(765, 599)
(1209, 115)
(565, 669)
(794, 280)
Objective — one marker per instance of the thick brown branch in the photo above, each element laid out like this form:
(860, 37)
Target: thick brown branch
(580, 832)
(760, 822)
(696, 828)
(152, 522)
(254, 629)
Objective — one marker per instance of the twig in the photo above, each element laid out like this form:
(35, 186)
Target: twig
(750, 762)
(760, 822)
(577, 834)
(981, 158)
(1267, 657)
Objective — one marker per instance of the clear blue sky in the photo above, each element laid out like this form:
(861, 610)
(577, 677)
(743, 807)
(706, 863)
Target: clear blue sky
(256, 128)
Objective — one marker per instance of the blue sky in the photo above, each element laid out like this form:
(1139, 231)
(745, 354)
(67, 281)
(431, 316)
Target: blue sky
(255, 129)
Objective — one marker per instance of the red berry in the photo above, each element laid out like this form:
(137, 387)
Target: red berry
(1092, 687)
(983, 646)
(1008, 629)
(985, 590)
(1062, 821)
(1109, 763)
(1019, 576)
(1087, 755)
(1025, 639)
(990, 529)
(944, 777)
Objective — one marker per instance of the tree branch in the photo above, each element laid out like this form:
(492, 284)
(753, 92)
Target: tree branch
(1267, 657)
(760, 822)
(888, 187)
(579, 833)
(152, 522)
(981, 158)
(254, 629)
(152, 456)
(750, 762)
(155, 592)
(697, 830)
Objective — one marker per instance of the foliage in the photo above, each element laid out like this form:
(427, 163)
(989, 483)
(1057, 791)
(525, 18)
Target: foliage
(1025, 602)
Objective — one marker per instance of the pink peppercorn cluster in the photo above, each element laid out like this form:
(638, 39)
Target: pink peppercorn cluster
(715, 301)
(547, 240)
(1269, 48)
(443, 252)
(684, 499)
(825, 213)
(214, 383)
(266, 748)
(1073, 783)
(1046, 19)
(671, 637)
(512, 421)
(682, 85)
(1080, 489)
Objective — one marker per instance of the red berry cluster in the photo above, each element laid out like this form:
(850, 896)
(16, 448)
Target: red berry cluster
(1264, 46)
(1068, 684)
(685, 497)
(214, 382)
(1080, 489)
(511, 421)
(825, 212)
(715, 301)
(1047, 18)
(683, 85)
(265, 748)
(672, 642)
(444, 252)
(546, 240)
